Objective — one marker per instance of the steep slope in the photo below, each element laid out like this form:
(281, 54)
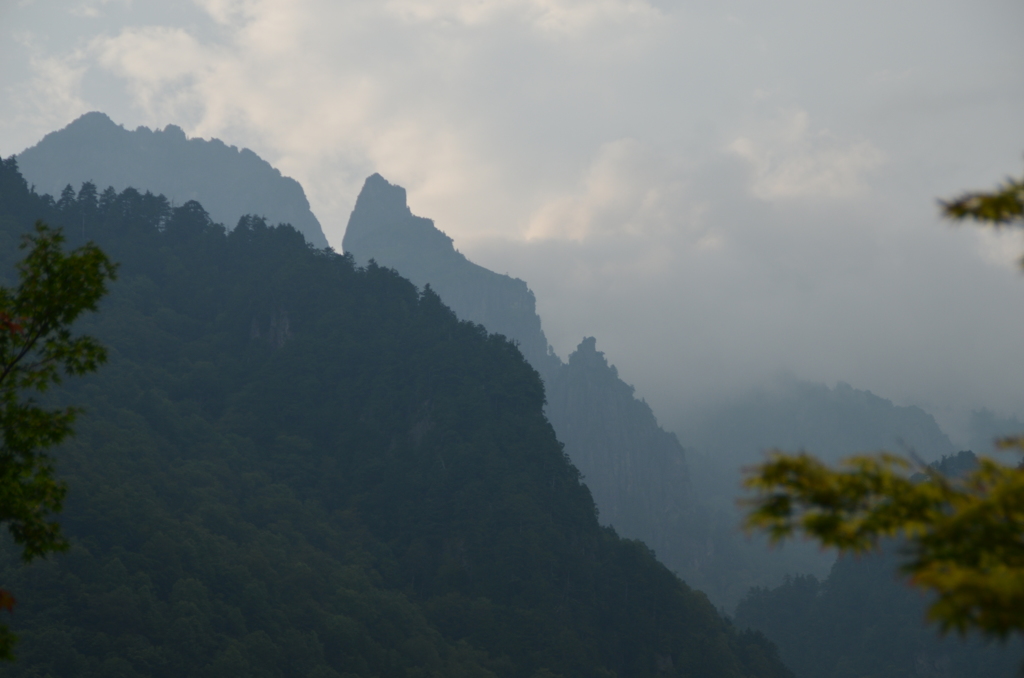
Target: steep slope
(636, 471)
(227, 181)
(293, 466)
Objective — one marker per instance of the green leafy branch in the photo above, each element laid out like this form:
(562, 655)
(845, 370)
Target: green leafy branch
(37, 347)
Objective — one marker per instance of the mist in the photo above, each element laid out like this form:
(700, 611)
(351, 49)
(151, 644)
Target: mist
(721, 193)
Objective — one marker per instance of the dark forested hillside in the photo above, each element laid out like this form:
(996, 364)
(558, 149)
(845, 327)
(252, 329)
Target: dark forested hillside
(292, 466)
(636, 471)
(865, 620)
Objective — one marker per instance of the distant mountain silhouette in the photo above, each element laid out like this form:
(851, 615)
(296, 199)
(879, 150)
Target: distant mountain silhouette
(636, 470)
(832, 423)
(228, 182)
(791, 415)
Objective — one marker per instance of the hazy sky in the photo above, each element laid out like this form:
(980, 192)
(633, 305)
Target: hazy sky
(719, 191)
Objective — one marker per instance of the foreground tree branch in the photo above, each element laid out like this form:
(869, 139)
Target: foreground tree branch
(964, 536)
(37, 348)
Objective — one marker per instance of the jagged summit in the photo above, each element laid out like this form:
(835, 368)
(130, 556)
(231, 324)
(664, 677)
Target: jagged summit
(587, 355)
(383, 228)
(382, 215)
(229, 182)
(382, 197)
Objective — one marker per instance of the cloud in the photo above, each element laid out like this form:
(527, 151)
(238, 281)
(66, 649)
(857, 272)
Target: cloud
(789, 161)
(716, 193)
(627, 189)
(50, 95)
(568, 18)
(159, 65)
(93, 9)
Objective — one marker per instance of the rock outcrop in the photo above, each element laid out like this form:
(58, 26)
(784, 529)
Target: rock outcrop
(228, 182)
(383, 228)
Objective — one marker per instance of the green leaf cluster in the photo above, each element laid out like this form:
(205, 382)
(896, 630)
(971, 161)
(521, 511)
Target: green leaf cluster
(1001, 207)
(37, 348)
(964, 534)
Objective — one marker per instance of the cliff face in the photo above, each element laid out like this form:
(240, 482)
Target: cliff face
(228, 182)
(636, 471)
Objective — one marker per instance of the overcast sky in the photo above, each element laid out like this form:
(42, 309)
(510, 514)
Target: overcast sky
(719, 191)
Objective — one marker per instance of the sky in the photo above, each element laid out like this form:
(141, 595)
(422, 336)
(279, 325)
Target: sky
(720, 192)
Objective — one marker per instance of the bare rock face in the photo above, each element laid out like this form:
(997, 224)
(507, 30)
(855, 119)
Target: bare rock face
(227, 181)
(636, 471)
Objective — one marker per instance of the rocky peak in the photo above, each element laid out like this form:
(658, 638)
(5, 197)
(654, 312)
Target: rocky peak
(383, 228)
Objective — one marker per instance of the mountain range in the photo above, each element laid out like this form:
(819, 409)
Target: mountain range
(682, 503)
(190, 388)
(296, 466)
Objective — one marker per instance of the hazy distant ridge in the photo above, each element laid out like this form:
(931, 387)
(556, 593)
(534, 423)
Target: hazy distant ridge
(228, 182)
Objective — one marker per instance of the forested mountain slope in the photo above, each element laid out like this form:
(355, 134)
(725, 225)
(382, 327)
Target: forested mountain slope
(228, 182)
(636, 471)
(292, 466)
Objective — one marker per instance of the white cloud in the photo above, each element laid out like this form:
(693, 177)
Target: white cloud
(50, 95)
(788, 160)
(570, 18)
(93, 9)
(630, 190)
(159, 64)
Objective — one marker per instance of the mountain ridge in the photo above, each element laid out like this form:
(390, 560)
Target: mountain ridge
(363, 486)
(230, 182)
